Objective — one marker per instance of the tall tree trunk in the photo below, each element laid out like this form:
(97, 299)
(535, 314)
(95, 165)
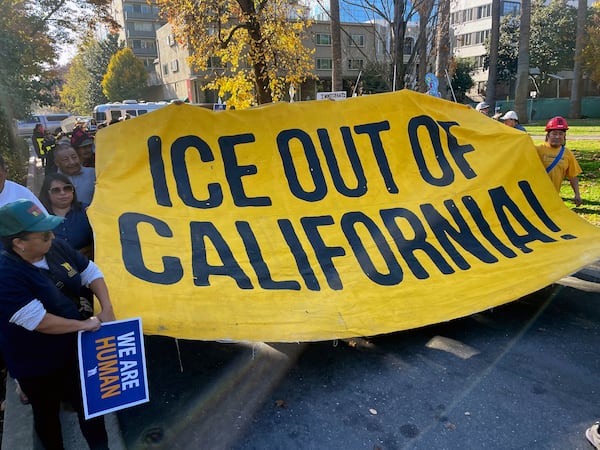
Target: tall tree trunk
(424, 8)
(522, 87)
(490, 94)
(443, 47)
(398, 32)
(259, 67)
(336, 46)
(575, 109)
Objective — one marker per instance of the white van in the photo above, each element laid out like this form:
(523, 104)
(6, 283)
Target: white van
(129, 109)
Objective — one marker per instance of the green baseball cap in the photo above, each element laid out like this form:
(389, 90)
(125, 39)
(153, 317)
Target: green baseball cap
(24, 215)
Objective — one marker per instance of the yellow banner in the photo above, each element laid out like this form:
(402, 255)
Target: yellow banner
(322, 220)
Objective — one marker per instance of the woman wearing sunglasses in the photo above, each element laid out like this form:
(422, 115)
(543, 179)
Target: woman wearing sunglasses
(59, 197)
(40, 282)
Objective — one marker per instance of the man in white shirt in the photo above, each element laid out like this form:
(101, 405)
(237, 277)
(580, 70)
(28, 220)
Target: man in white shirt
(11, 191)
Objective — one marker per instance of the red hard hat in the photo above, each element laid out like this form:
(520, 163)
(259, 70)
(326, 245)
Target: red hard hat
(557, 123)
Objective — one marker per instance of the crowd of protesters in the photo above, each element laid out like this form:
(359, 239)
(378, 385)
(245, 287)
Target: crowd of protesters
(48, 279)
(49, 282)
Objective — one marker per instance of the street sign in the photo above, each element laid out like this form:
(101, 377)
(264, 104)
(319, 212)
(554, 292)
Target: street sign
(337, 95)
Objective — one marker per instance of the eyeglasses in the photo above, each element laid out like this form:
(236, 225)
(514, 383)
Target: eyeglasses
(68, 188)
(44, 237)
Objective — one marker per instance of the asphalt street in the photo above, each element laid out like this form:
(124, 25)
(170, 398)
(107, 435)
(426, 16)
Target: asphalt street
(520, 376)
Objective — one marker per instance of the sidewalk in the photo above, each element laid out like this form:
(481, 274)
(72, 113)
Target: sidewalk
(18, 431)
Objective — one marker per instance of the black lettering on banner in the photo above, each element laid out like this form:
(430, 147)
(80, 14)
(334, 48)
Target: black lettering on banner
(314, 166)
(201, 269)
(293, 242)
(182, 178)
(458, 151)
(131, 250)
(334, 168)
(349, 222)
(503, 204)
(485, 228)
(258, 263)
(235, 172)
(407, 247)
(432, 128)
(537, 207)
(324, 253)
(373, 130)
(157, 170)
(463, 235)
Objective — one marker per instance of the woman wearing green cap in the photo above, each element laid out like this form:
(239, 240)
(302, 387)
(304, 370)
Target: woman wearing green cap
(40, 282)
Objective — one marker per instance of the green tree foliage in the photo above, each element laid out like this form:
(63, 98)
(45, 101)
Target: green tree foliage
(461, 69)
(591, 50)
(26, 53)
(257, 43)
(376, 78)
(83, 84)
(553, 32)
(508, 48)
(30, 31)
(96, 59)
(552, 42)
(74, 94)
(125, 78)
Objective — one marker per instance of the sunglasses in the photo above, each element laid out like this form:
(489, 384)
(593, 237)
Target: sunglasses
(68, 188)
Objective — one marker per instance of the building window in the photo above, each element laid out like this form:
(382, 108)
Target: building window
(141, 43)
(408, 46)
(323, 39)
(481, 36)
(165, 69)
(324, 64)
(171, 40)
(214, 62)
(484, 11)
(355, 64)
(175, 66)
(356, 40)
(143, 26)
(509, 8)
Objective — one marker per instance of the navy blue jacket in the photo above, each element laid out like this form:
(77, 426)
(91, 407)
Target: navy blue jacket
(31, 353)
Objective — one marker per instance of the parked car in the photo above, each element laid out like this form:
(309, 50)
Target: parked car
(49, 121)
(25, 127)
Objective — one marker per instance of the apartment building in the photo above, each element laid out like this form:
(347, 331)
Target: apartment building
(361, 43)
(471, 23)
(139, 22)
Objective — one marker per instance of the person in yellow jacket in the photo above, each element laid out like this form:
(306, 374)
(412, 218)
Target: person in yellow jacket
(560, 163)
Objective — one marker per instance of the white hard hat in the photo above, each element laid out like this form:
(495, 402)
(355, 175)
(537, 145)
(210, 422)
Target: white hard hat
(510, 115)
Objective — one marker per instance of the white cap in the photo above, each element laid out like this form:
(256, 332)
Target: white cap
(481, 105)
(510, 115)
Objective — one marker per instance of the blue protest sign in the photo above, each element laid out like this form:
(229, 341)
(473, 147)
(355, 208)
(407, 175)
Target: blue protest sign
(112, 367)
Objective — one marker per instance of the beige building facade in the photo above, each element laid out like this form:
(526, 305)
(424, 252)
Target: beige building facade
(361, 43)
